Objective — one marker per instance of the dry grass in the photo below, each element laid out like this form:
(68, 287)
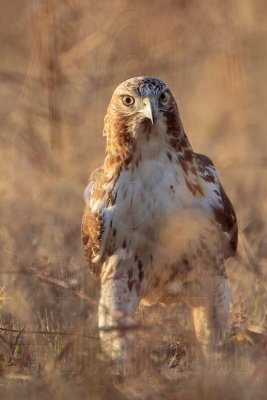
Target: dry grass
(60, 62)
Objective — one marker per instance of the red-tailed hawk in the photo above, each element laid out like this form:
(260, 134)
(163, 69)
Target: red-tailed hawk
(157, 225)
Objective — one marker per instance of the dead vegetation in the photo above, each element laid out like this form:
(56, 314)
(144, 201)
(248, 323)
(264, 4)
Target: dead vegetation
(60, 62)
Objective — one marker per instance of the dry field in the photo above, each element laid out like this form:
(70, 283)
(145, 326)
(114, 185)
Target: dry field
(60, 61)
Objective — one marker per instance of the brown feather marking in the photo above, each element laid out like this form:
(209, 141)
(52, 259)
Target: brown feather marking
(169, 155)
(225, 216)
(93, 223)
(130, 284)
(91, 230)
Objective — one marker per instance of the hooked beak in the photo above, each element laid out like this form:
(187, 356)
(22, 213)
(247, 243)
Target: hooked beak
(150, 109)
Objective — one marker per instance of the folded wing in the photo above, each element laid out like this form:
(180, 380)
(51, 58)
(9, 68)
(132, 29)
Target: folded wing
(223, 210)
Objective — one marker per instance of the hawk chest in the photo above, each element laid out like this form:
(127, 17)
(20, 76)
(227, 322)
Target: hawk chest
(145, 197)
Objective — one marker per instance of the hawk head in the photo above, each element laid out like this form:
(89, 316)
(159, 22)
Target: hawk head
(141, 110)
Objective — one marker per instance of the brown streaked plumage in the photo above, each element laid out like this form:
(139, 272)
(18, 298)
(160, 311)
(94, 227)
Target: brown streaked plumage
(224, 215)
(157, 224)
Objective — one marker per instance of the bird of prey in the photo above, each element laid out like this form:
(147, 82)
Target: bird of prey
(158, 224)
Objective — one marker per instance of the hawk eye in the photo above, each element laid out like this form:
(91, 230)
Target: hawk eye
(164, 97)
(127, 100)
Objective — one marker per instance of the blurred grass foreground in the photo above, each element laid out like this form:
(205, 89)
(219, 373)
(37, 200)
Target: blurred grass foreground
(60, 62)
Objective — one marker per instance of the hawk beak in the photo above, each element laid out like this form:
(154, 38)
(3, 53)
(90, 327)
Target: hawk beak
(150, 110)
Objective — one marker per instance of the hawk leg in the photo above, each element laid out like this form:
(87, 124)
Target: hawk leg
(211, 317)
(118, 301)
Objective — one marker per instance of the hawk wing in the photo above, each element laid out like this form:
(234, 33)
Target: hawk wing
(93, 221)
(223, 210)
